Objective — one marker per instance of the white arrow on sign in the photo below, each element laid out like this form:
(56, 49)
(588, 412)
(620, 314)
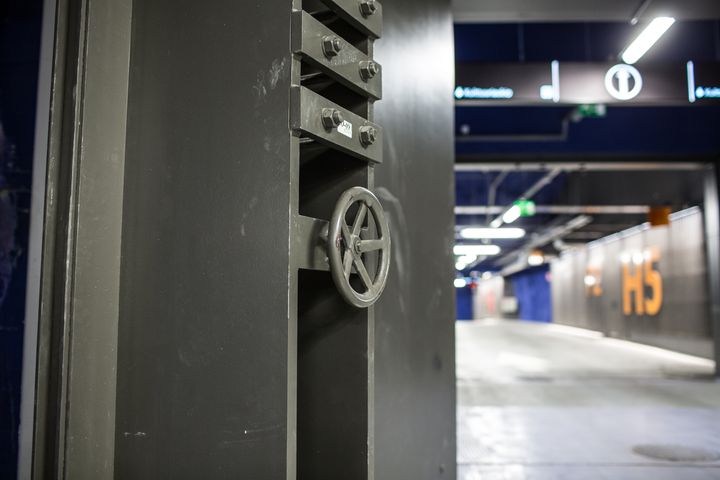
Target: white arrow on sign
(623, 73)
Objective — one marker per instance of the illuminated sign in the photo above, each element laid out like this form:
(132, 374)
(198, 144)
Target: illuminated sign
(527, 207)
(707, 92)
(576, 83)
(642, 285)
(623, 82)
(475, 93)
(698, 92)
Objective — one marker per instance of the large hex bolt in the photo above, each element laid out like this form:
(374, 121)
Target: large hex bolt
(331, 45)
(368, 69)
(331, 117)
(368, 135)
(368, 7)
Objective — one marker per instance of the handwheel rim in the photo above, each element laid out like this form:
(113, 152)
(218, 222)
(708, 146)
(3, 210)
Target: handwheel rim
(346, 247)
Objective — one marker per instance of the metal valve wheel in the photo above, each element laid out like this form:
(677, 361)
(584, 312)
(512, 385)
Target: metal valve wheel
(350, 251)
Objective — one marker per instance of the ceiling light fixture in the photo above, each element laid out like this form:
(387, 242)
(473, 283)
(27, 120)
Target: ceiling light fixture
(479, 250)
(646, 39)
(477, 233)
(536, 259)
(512, 214)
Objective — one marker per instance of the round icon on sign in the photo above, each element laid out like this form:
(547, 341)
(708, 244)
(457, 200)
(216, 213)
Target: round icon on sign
(623, 82)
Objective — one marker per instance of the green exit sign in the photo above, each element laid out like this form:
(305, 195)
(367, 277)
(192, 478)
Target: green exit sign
(527, 207)
(592, 111)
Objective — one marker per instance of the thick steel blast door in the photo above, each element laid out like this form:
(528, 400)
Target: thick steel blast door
(215, 245)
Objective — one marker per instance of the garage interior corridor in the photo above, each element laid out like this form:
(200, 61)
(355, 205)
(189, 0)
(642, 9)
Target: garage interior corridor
(546, 401)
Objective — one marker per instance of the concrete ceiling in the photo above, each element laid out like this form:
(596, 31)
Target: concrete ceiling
(501, 11)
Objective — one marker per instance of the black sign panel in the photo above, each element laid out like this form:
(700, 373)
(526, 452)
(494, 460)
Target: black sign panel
(588, 83)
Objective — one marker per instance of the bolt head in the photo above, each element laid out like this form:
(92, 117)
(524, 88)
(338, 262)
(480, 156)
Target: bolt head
(331, 45)
(369, 69)
(368, 7)
(368, 135)
(331, 117)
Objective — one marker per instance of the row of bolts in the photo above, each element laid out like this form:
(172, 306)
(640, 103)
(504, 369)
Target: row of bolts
(331, 45)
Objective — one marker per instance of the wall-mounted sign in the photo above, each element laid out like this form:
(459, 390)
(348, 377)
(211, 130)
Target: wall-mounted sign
(588, 83)
(642, 285)
(593, 281)
(623, 82)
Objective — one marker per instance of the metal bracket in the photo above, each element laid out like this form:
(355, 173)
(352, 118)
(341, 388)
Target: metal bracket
(347, 65)
(307, 116)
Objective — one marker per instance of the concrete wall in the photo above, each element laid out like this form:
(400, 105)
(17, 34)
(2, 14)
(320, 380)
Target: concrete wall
(588, 286)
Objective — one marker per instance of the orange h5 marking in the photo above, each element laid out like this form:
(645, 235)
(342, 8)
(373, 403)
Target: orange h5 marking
(643, 279)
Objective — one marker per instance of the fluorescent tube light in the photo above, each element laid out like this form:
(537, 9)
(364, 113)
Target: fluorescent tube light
(647, 39)
(467, 259)
(511, 215)
(479, 250)
(492, 233)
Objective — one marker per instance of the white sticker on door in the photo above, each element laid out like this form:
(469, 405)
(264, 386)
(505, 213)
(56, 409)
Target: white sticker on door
(345, 128)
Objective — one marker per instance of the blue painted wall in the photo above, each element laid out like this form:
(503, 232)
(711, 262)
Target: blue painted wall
(464, 303)
(20, 22)
(532, 289)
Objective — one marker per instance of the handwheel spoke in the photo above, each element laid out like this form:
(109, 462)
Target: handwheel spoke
(359, 218)
(372, 245)
(362, 271)
(348, 263)
(347, 236)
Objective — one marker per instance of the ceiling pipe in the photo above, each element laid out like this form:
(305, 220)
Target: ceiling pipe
(560, 210)
(580, 166)
(492, 192)
(539, 241)
(639, 11)
(561, 136)
(530, 192)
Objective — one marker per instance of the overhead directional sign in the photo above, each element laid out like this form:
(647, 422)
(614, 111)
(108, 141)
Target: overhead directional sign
(623, 82)
(587, 83)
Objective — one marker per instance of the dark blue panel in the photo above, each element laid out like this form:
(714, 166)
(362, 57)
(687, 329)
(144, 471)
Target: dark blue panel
(578, 42)
(605, 41)
(684, 41)
(625, 131)
(464, 303)
(564, 42)
(532, 290)
(509, 120)
(486, 43)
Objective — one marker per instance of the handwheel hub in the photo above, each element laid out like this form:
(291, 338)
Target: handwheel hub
(356, 244)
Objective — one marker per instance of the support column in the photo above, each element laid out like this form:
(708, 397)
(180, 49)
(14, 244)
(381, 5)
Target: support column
(712, 245)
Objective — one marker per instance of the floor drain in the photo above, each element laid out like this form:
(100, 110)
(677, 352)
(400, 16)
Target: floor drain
(677, 453)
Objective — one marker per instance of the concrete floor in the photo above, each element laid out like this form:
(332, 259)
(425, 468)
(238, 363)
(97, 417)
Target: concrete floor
(538, 401)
